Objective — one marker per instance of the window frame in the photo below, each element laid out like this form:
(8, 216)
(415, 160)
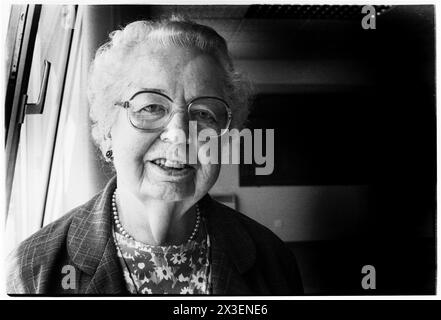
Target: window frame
(18, 79)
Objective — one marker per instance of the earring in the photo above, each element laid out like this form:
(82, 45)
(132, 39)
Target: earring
(109, 155)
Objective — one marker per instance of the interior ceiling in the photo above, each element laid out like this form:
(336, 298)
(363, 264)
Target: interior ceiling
(256, 32)
(291, 32)
(339, 12)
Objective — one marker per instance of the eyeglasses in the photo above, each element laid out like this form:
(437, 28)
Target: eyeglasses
(151, 111)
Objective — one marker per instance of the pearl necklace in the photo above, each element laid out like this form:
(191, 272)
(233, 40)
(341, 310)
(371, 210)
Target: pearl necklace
(127, 235)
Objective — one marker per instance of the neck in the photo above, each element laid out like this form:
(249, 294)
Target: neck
(153, 221)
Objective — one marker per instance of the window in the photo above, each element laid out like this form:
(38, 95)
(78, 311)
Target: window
(45, 36)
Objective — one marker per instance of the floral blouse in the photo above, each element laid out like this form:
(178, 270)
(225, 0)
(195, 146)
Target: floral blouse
(176, 269)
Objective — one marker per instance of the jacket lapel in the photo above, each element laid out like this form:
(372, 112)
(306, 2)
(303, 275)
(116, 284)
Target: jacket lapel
(108, 276)
(232, 250)
(91, 248)
(226, 279)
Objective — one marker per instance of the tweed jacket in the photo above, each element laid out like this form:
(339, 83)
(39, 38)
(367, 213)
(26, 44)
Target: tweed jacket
(246, 258)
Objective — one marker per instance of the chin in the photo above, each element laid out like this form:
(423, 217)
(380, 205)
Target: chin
(170, 193)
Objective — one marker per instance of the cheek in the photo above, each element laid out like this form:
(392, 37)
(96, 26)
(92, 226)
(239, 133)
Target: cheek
(129, 145)
(132, 151)
(207, 173)
(207, 176)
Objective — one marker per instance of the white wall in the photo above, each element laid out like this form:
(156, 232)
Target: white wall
(298, 213)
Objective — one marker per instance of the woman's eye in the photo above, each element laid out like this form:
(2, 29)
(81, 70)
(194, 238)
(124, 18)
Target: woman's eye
(153, 108)
(204, 115)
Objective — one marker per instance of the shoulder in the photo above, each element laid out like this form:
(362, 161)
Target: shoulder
(44, 239)
(36, 255)
(262, 237)
(275, 267)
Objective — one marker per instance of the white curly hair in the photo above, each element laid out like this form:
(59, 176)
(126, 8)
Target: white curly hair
(109, 69)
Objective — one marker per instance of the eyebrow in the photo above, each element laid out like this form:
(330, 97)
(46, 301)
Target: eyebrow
(163, 93)
(153, 90)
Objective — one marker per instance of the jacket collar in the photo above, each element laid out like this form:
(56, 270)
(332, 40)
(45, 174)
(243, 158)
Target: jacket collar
(91, 248)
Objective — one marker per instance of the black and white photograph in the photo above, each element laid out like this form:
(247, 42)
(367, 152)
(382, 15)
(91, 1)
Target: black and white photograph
(287, 150)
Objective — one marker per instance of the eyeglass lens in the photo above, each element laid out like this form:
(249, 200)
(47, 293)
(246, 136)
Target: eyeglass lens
(151, 111)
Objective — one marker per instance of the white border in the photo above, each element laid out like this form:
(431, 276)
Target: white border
(4, 18)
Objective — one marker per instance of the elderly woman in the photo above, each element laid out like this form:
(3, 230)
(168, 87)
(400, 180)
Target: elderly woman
(154, 229)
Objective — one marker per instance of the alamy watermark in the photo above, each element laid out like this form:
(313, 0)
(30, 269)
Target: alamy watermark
(368, 282)
(369, 20)
(206, 147)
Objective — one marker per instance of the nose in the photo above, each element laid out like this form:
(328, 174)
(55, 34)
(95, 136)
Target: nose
(176, 131)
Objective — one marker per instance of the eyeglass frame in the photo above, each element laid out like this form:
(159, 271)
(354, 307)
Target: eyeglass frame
(126, 105)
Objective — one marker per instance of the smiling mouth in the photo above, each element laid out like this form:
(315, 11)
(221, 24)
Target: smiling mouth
(171, 165)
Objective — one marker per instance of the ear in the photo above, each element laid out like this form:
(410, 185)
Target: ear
(106, 144)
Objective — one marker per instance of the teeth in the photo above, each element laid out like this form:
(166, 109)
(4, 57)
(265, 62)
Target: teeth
(169, 163)
(174, 164)
(160, 162)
